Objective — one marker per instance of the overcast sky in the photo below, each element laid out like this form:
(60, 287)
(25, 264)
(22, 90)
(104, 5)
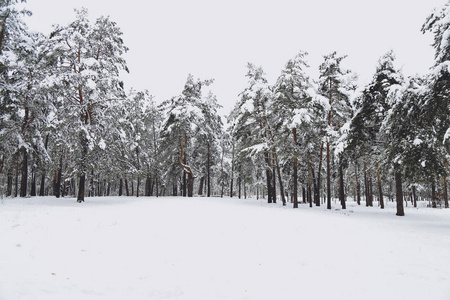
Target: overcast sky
(168, 39)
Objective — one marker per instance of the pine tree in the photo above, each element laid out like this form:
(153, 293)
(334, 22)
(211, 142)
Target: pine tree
(334, 84)
(89, 58)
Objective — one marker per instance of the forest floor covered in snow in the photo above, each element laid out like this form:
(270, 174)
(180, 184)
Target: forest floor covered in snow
(213, 248)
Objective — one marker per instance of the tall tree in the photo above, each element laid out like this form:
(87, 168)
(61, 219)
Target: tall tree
(334, 84)
(89, 60)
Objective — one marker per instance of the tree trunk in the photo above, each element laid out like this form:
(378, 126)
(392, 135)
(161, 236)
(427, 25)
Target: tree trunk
(268, 177)
(328, 177)
(294, 133)
(366, 186)
(370, 189)
(280, 179)
(399, 193)
(24, 178)
(380, 190)
(120, 187)
(190, 185)
(358, 186)
(341, 187)
(33, 182)
(445, 192)
(81, 188)
(414, 195)
(9, 183)
(16, 182)
(274, 185)
(200, 188)
(208, 168)
(127, 191)
(319, 180)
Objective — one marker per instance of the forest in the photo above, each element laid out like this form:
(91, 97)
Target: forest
(69, 126)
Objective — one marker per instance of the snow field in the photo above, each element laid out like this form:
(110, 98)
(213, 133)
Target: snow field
(212, 248)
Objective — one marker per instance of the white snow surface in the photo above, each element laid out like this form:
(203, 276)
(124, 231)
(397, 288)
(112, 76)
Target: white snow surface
(213, 248)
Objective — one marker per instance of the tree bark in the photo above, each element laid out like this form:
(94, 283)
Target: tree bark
(200, 188)
(127, 191)
(380, 190)
(328, 176)
(399, 193)
(414, 196)
(24, 178)
(9, 183)
(341, 187)
(294, 133)
(445, 191)
(81, 188)
(358, 186)
(120, 187)
(208, 168)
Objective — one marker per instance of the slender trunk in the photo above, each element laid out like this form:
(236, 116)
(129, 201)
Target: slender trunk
(208, 168)
(445, 191)
(399, 193)
(268, 177)
(127, 191)
(274, 185)
(9, 183)
(328, 177)
(200, 188)
(294, 133)
(239, 184)
(81, 188)
(120, 187)
(232, 172)
(309, 186)
(366, 185)
(16, 182)
(358, 186)
(341, 187)
(33, 182)
(191, 185)
(319, 176)
(414, 195)
(370, 189)
(24, 178)
(280, 180)
(380, 190)
(138, 186)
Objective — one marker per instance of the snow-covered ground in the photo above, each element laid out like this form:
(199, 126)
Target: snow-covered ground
(212, 248)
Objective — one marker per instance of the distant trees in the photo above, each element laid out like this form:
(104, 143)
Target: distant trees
(68, 127)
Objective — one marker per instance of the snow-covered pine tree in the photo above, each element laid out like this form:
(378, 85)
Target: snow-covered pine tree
(335, 84)
(87, 77)
(292, 112)
(184, 119)
(438, 23)
(365, 140)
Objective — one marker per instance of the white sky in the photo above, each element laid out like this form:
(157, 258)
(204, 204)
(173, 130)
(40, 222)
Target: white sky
(168, 39)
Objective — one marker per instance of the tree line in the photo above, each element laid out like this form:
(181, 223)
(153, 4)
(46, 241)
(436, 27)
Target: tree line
(69, 127)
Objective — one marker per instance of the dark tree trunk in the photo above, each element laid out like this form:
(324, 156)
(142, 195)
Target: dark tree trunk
(319, 178)
(16, 182)
(294, 133)
(33, 182)
(81, 188)
(138, 186)
(120, 187)
(9, 183)
(232, 173)
(147, 185)
(200, 188)
(399, 193)
(380, 190)
(274, 186)
(42, 187)
(24, 178)
(280, 179)
(191, 185)
(414, 195)
(358, 186)
(127, 191)
(341, 187)
(328, 177)
(269, 186)
(84, 150)
(208, 168)
(370, 189)
(445, 192)
(239, 186)
(366, 186)
(57, 183)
